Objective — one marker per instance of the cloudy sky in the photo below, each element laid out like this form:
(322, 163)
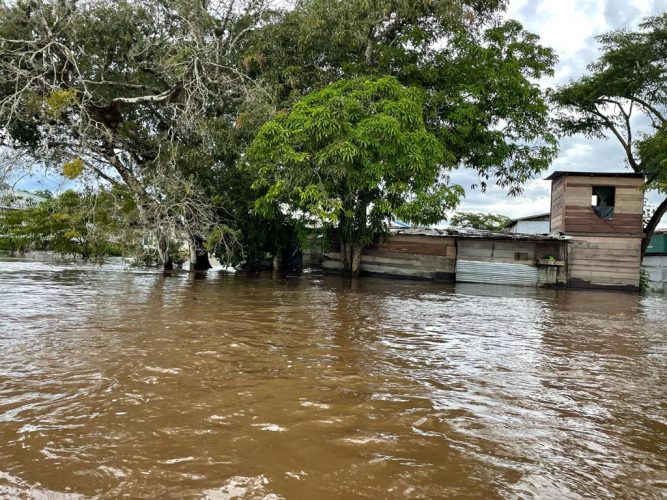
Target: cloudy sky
(569, 27)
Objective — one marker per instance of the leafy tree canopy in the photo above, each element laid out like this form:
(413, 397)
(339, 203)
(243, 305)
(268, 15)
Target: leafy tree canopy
(131, 92)
(84, 224)
(479, 220)
(354, 155)
(478, 73)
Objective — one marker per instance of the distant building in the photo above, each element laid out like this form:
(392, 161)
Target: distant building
(15, 199)
(655, 261)
(533, 224)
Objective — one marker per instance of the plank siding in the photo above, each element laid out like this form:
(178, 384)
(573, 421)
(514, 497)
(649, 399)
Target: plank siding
(605, 261)
(557, 204)
(603, 252)
(578, 217)
(435, 257)
(407, 256)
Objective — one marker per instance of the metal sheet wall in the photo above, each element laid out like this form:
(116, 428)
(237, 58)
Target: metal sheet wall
(497, 273)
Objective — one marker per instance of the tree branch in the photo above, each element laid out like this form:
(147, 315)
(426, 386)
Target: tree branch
(146, 98)
(627, 147)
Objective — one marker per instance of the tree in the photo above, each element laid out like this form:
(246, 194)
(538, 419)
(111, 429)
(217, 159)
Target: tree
(490, 222)
(478, 73)
(354, 155)
(129, 92)
(85, 224)
(629, 79)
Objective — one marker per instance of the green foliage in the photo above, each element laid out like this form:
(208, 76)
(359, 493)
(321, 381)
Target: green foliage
(479, 220)
(88, 225)
(644, 281)
(353, 156)
(72, 169)
(652, 152)
(479, 76)
(135, 87)
(57, 101)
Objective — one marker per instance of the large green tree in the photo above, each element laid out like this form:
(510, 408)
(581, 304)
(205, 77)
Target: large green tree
(628, 81)
(478, 72)
(354, 155)
(138, 93)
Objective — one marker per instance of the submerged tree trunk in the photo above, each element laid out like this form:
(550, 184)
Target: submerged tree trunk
(350, 259)
(345, 257)
(198, 254)
(355, 267)
(165, 252)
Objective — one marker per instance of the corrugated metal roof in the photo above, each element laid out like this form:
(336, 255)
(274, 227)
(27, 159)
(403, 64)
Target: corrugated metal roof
(562, 173)
(465, 233)
(543, 216)
(495, 273)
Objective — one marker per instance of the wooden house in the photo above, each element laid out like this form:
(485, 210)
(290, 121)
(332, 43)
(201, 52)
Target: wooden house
(602, 212)
(464, 255)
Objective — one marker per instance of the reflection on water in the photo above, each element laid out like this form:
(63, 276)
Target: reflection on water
(117, 382)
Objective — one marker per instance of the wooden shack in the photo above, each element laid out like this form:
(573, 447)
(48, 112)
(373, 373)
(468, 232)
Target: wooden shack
(416, 254)
(464, 255)
(602, 212)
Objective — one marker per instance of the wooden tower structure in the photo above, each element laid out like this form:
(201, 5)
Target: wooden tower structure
(602, 212)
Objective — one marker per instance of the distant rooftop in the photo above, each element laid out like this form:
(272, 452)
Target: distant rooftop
(562, 173)
(537, 217)
(15, 198)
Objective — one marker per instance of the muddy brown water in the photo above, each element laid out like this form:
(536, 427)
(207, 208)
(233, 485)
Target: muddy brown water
(126, 383)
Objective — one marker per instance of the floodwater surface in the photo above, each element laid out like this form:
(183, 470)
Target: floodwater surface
(127, 383)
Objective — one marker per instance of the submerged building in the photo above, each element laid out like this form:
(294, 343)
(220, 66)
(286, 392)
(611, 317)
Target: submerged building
(602, 213)
(593, 240)
(655, 262)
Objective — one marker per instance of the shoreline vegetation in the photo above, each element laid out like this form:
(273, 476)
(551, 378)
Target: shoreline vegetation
(234, 128)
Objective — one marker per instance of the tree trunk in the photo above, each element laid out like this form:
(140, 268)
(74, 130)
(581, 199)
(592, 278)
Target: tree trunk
(652, 224)
(165, 253)
(345, 257)
(350, 259)
(355, 268)
(198, 254)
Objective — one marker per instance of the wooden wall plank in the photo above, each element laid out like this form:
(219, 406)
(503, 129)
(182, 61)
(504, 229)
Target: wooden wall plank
(578, 181)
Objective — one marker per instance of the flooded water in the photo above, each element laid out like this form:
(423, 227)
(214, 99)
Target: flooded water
(123, 383)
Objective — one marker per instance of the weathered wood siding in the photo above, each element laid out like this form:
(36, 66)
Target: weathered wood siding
(435, 258)
(508, 251)
(599, 261)
(557, 204)
(409, 256)
(578, 216)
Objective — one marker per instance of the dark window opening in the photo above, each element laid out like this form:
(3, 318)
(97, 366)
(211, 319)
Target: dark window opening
(603, 201)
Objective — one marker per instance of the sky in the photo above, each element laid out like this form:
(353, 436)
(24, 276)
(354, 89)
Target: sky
(569, 27)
